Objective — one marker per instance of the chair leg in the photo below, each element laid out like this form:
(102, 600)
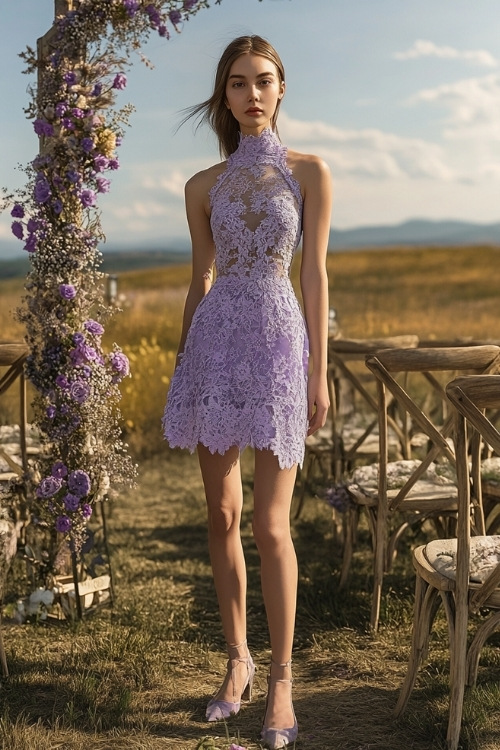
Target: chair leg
(482, 634)
(350, 533)
(458, 654)
(426, 605)
(3, 658)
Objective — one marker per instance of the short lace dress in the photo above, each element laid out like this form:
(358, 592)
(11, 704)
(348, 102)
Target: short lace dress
(242, 378)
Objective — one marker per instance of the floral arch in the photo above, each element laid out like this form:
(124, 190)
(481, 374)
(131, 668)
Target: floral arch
(81, 65)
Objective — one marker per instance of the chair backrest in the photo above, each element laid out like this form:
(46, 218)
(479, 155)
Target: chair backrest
(471, 396)
(429, 362)
(349, 378)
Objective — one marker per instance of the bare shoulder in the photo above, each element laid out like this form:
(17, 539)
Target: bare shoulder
(308, 169)
(199, 184)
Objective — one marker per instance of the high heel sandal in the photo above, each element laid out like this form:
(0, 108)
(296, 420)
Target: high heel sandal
(218, 709)
(275, 739)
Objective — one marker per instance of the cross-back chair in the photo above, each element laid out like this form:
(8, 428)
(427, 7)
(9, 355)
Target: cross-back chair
(350, 433)
(461, 573)
(399, 495)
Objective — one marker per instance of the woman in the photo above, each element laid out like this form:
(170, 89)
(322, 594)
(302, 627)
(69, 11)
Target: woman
(242, 369)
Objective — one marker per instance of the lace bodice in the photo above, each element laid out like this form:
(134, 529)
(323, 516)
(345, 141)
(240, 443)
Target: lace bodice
(256, 210)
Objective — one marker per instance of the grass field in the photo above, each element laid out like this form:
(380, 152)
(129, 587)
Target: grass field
(138, 676)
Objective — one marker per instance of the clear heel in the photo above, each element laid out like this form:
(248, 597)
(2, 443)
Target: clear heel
(217, 710)
(274, 738)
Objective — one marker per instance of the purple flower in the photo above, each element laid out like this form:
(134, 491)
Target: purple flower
(87, 145)
(189, 4)
(114, 163)
(120, 363)
(42, 189)
(70, 78)
(62, 382)
(236, 747)
(42, 127)
(60, 109)
(79, 483)
(78, 113)
(59, 470)
(63, 524)
(80, 391)
(87, 198)
(67, 291)
(17, 229)
(101, 162)
(120, 81)
(71, 502)
(92, 326)
(51, 411)
(86, 510)
(153, 14)
(68, 123)
(89, 353)
(73, 176)
(48, 487)
(175, 17)
(162, 30)
(57, 206)
(33, 225)
(131, 7)
(17, 211)
(30, 245)
(86, 371)
(103, 185)
(77, 357)
(78, 338)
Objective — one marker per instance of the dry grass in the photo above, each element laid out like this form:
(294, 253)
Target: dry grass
(138, 677)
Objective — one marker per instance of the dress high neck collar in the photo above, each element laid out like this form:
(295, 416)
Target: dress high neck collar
(252, 148)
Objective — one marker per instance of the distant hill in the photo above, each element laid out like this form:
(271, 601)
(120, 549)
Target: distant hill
(410, 233)
(416, 232)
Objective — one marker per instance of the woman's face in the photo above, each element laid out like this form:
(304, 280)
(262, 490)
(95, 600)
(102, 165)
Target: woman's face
(253, 90)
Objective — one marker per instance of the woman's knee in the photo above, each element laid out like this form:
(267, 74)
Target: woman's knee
(268, 534)
(224, 518)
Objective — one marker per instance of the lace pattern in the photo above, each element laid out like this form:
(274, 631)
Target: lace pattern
(242, 379)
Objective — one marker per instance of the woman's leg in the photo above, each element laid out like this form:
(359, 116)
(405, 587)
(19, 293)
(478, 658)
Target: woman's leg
(273, 488)
(224, 494)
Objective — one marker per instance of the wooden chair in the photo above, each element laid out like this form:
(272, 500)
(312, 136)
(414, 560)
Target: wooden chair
(410, 492)
(335, 448)
(462, 573)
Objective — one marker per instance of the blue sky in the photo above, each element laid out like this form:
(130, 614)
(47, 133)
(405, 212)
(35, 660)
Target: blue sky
(400, 97)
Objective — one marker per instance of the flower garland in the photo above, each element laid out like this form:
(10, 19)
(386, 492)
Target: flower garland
(55, 215)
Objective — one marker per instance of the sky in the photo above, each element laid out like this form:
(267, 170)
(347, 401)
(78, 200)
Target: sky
(400, 97)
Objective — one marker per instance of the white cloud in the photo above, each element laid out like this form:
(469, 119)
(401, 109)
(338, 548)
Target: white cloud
(473, 105)
(425, 48)
(368, 152)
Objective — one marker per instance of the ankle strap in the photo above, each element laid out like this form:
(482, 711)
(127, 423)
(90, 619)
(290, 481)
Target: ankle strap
(277, 664)
(237, 645)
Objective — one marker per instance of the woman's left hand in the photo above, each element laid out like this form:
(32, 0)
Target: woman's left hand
(318, 401)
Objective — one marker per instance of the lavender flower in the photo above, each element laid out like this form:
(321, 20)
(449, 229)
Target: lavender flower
(51, 411)
(103, 185)
(70, 78)
(87, 145)
(59, 470)
(30, 245)
(175, 17)
(60, 109)
(17, 229)
(62, 382)
(120, 363)
(101, 162)
(97, 90)
(48, 487)
(131, 7)
(79, 483)
(63, 524)
(42, 189)
(120, 81)
(79, 391)
(86, 510)
(87, 198)
(67, 291)
(71, 502)
(189, 4)
(92, 326)
(17, 211)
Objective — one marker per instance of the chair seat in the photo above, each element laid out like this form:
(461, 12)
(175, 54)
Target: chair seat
(484, 556)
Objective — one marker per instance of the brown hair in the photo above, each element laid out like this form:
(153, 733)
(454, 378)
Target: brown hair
(214, 110)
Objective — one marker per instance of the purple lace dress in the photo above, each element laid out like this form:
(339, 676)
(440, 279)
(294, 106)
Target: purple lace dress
(242, 378)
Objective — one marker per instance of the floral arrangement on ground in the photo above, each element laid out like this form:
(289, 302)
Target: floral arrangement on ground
(80, 71)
